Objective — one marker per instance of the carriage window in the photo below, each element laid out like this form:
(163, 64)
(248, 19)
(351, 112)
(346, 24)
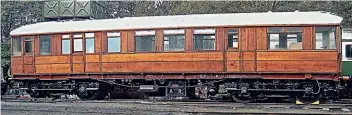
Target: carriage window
(65, 44)
(232, 39)
(325, 38)
(174, 40)
(16, 46)
(45, 45)
(27, 45)
(113, 41)
(348, 49)
(145, 41)
(77, 43)
(289, 39)
(204, 39)
(89, 42)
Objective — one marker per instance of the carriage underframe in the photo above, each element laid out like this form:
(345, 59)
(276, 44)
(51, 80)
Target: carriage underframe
(237, 87)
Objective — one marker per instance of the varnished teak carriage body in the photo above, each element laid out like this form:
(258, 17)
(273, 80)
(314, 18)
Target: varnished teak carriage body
(272, 46)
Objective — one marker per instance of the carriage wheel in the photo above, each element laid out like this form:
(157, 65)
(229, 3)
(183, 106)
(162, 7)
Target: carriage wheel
(88, 95)
(84, 93)
(310, 94)
(241, 98)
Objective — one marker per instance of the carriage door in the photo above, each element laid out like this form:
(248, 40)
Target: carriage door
(78, 53)
(232, 50)
(346, 52)
(28, 54)
(247, 50)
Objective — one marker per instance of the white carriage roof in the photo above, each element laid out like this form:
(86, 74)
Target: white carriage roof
(198, 20)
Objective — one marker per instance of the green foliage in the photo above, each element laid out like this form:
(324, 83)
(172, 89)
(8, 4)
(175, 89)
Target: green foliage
(5, 55)
(13, 15)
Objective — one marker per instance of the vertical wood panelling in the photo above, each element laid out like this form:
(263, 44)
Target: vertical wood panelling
(124, 41)
(98, 40)
(338, 39)
(261, 39)
(36, 45)
(159, 40)
(59, 44)
(225, 38)
(338, 47)
(244, 39)
(219, 39)
(102, 47)
(307, 37)
(36, 51)
(313, 39)
(104, 42)
(251, 38)
(189, 40)
(71, 48)
(130, 39)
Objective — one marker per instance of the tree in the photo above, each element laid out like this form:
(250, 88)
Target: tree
(13, 15)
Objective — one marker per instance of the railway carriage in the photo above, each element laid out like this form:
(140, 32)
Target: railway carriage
(244, 56)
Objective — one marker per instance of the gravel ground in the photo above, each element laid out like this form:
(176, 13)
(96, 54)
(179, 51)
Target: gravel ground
(142, 108)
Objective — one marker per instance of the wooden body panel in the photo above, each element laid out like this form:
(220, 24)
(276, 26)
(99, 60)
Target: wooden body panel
(252, 56)
(199, 56)
(17, 65)
(51, 59)
(168, 67)
(297, 66)
(292, 56)
(53, 68)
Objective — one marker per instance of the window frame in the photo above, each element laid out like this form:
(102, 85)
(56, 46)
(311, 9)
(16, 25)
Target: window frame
(174, 34)
(50, 37)
(349, 44)
(21, 44)
(284, 31)
(78, 36)
(335, 35)
(85, 42)
(24, 45)
(193, 39)
(135, 40)
(107, 41)
(70, 41)
(226, 39)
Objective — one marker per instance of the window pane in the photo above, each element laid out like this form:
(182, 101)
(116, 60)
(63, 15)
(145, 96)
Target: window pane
(145, 43)
(204, 42)
(114, 44)
(45, 45)
(16, 46)
(65, 47)
(291, 39)
(174, 42)
(325, 38)
(77, 43)
(28, 45)
(89, 45)
(232, 38)
(274, 41)
(348, 51)
(294, 41)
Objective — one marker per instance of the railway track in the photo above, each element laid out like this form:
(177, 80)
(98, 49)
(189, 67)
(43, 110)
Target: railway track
(216, 107)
